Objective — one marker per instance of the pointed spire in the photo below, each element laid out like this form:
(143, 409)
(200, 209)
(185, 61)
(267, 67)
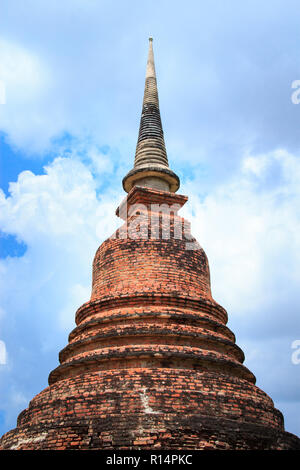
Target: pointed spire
(151, 166)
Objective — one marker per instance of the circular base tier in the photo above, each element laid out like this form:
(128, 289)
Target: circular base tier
(150, 409)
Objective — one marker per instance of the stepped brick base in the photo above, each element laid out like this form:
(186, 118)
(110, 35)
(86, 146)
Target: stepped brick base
(151, 363)
(144, 408)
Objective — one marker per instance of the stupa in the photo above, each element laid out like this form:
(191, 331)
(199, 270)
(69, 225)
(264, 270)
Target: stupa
(151, 363)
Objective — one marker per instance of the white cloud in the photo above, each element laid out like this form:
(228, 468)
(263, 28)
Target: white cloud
(27, 80)
(22, 72)
(75, 296)
(250, 232)
(59, 205)
(255, 165)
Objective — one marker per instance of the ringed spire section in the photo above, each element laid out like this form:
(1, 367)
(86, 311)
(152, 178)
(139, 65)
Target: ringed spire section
(151, 168)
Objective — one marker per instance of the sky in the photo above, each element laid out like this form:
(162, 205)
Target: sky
(71, 87)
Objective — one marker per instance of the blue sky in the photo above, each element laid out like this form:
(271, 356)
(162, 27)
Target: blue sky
(73, 74)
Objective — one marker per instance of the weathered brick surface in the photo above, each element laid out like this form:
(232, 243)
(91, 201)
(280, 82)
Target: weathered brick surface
(151, 363)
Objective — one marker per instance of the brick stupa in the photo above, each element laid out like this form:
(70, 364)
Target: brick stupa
(151, 363)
